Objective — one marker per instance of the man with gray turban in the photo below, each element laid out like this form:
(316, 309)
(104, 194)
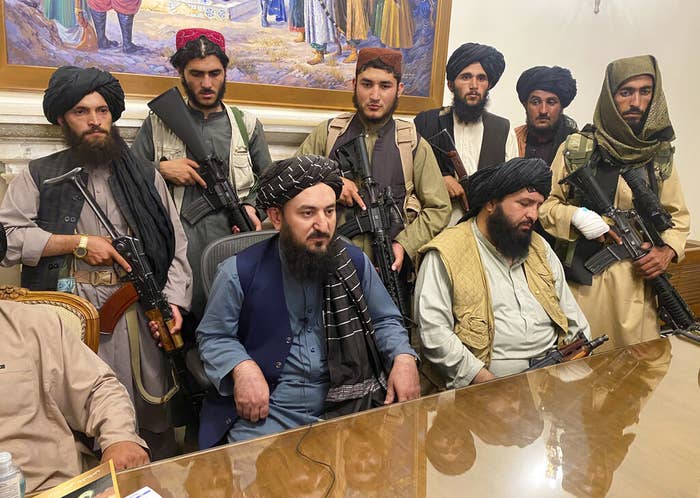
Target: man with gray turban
(62, 245)
(491, 295)
(464, 136)
(299, 327)
(629, 148)
(545, 92)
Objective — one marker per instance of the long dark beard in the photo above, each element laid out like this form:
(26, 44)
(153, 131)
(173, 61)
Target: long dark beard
(305, 265)
(468, 113)
(93, 152)
(512, 242)
(384, 117)
(192, 97)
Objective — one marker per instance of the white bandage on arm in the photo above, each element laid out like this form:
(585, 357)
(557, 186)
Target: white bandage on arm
(589, 223)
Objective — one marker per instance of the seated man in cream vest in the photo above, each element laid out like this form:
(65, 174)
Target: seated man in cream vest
(491, 294)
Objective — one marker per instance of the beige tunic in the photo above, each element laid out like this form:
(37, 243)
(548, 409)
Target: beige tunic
(618, 303)
(26, 242)
(50, 384)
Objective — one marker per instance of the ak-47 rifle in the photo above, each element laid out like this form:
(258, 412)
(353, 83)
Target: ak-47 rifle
(139, 285)
(580, 347)
(381, 215)
(219, 193)
(633, 231)
(444, 137)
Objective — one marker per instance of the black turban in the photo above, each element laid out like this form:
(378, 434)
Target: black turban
(555, 79)
(3, 242)
(500, 180)
(69, 84)
(290, 176)
(490, 59)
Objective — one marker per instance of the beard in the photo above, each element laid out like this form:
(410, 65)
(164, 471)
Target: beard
(469, 113)
(510, 240)
(306, 265)
(94, 152)
(379, 119)
(543, 132)
(192, 97)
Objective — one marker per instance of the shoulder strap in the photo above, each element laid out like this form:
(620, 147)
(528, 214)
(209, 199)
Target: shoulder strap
(242, 128)
(406, 141)
(578, 150)
(337, 127)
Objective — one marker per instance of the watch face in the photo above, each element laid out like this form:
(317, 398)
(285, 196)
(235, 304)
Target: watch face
(80, 252)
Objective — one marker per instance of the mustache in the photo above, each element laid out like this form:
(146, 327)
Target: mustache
(317, 234)
(633, 111)
(95, 129)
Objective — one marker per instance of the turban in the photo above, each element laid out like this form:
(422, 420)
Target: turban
(555, 79)
(294, 175)
(184, 36)
(490, 59)
(389, 57)
(69, 84)
(500, 180)
(3, 242)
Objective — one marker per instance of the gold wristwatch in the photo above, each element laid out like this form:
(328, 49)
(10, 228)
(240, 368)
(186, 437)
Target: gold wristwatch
(81, 251)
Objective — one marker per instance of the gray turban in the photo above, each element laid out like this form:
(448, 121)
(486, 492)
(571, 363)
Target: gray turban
(500, 180)
(490, 59)
(294, 175)
(557, 80)
(69, 84)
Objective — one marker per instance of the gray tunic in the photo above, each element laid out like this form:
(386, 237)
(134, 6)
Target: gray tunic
(26, 242)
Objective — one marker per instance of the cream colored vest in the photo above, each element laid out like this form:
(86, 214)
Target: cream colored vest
(167, 144)
(471, 299)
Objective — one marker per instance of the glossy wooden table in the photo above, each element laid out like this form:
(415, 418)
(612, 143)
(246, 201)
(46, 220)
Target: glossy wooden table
(622, 423)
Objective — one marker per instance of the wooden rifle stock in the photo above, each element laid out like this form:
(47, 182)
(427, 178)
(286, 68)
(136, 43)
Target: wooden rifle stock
(169, 340)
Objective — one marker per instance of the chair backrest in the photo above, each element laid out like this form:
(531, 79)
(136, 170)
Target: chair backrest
(218, 250)
(76, 313)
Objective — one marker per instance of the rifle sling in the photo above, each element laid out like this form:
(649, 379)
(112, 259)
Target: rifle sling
(132, 325)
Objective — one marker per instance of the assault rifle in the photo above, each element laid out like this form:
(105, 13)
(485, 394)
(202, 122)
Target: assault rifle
(219, 193)
(580, 347)
(444, 137)
(139, 285)
(381, 215)
(633, 232)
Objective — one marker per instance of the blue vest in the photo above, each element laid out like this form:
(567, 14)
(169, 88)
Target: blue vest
(263, 328)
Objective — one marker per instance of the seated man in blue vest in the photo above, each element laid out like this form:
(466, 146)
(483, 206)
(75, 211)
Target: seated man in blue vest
(299, 327)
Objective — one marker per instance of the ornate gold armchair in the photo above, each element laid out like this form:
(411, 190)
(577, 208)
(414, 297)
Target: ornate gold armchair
(76, 312)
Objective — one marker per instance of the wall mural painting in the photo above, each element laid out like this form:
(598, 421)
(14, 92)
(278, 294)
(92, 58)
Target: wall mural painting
(308, 47)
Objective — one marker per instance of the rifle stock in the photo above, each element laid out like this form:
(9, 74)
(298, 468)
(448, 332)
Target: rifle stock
(580, 347)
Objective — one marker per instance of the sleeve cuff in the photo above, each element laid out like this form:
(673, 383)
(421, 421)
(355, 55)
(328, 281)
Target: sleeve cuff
(35, 240)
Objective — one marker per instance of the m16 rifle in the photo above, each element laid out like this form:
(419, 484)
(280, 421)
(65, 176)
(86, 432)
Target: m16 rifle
(633, 232)
(381, 215)
(580, 347)
(139, 285)
(219, 193)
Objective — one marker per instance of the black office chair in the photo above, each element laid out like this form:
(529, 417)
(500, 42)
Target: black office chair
(218, 250)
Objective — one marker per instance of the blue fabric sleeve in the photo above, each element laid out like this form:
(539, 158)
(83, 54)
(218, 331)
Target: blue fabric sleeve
(217, 334)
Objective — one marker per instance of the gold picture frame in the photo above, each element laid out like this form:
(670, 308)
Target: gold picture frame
(19, 77)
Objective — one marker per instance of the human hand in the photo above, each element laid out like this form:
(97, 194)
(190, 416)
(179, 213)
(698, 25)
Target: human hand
(182, 171)
(456, 190)
(175, 330)
(253, 216)
(483, 376)
(350, 194)
(403, 383)
(589, 223)
(399, 254)
(250, 391)
(100, 252)
(655, 262)
(125, 455)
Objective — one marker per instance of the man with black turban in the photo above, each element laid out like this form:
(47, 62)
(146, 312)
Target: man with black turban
(62, 245)
(464, 136)
(629, 148)
(299, 327)
(545, 92)
(491, 294)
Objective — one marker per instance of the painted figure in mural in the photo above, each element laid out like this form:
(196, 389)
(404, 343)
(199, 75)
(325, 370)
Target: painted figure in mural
(321, 27)
(73, 26)
(353, 22)
(126, 10)
(396, 24)
(272, 8)
(296, 19)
